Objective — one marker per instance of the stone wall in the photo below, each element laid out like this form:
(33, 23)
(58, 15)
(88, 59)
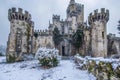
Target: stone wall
(43, 39)
(113, 44)
(102, 69)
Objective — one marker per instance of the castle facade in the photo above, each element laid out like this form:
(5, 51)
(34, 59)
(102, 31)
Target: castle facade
(23, 39)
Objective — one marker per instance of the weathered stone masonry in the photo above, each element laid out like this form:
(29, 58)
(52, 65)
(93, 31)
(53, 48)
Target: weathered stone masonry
(98, 22)
(20, 39)
(23, 39)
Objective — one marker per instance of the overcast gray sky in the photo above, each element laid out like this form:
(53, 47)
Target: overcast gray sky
(42, 11)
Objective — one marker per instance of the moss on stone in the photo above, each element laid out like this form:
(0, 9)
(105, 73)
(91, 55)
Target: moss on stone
(11, 59)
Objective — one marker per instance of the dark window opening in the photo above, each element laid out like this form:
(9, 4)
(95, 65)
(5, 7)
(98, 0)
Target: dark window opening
(22, 17)
(62, 30)
(103, 35)
(63, 50)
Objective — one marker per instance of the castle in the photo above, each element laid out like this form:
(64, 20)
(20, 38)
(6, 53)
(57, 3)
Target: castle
(22, 39)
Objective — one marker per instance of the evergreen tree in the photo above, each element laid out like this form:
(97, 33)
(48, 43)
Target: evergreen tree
(57, 37)
(77, 39)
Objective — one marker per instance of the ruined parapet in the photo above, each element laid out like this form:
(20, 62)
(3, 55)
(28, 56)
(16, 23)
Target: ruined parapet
(20, 17)
(42, 32)
(111, 36)
(98, 23)
(14, 14)
(101, 16)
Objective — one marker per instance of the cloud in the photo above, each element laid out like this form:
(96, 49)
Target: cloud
(91, 3)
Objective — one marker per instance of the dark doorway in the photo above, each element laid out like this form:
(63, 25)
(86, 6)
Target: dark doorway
(63, 50)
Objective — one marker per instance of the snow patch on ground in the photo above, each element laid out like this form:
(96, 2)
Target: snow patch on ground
(115, 62)
(31, 70)
(2, 59)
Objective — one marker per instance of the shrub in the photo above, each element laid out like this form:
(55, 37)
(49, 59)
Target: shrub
(47, 57)
(11, 59)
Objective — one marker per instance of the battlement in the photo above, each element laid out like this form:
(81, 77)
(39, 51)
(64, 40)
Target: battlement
(56, 17)
(14, 14)
(103, 15)
(113, 37)
(79, 7)
(42, 32)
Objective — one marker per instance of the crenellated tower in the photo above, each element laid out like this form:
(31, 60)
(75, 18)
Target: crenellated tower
(56, 22)
(98, 23)
(75, 13)
(20, 39)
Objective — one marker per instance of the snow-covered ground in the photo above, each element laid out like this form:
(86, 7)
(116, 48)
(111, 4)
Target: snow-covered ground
(31, 70)
(2, 59)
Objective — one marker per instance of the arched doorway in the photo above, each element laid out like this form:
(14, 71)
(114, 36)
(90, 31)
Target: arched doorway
(63, 50)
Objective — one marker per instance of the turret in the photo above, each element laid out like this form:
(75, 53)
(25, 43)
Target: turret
(101, 16)
(98, 23)
(18, 15)
(21, 34)
(75, 10)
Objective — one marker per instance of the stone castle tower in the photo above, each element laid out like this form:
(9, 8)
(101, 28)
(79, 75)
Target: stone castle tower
(75, 14)
(21, 33)
(23, 39)
(98, 24)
